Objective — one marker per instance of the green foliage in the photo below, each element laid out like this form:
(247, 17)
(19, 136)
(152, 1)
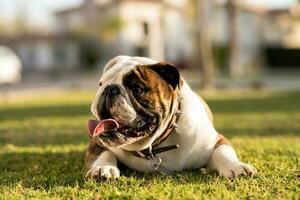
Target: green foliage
(221, 57)
(110, 28)
(42, 144)
(90, 52)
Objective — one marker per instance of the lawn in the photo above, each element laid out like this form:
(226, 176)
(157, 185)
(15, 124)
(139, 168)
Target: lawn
(42, 144)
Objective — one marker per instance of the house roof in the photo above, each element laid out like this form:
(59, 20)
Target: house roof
(70, 10)
(78, 8)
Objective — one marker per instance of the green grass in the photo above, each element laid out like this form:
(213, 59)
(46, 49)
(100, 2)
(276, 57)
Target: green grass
(42, 144)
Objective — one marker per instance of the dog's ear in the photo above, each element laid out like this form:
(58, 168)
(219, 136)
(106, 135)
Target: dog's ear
(169, 73)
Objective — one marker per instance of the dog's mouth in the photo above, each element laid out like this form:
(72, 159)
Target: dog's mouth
(120, 124)
(111, 133)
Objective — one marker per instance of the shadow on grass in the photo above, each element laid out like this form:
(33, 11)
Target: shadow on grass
(67, 133)
(259, 132)
(48, 170)
(279, 102)
(182, 177)
(285, 102)
(41, 170)
(63, 110)
(41, 138)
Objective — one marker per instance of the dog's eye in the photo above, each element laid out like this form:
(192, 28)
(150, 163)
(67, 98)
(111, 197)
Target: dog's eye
(100, 83)
(137, 89)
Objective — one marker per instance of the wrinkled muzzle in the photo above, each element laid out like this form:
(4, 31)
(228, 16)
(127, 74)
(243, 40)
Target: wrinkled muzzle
(119, 124)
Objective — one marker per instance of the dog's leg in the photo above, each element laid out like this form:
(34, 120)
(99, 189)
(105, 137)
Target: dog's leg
(100, 163)
(225, 161)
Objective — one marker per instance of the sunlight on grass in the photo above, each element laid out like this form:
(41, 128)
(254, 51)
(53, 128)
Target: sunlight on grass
(42, 144)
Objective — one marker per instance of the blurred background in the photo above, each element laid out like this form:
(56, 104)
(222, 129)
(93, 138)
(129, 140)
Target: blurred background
(217, 44)
(242, 56)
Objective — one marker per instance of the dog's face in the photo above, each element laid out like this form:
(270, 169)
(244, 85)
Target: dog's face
(134, 102)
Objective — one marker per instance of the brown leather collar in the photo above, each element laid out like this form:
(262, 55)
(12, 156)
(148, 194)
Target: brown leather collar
(152, 150)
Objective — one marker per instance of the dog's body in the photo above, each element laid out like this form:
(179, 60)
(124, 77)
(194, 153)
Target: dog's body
(199, 143)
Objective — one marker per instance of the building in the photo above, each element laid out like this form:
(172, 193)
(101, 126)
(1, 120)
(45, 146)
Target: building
(44, 54)
(152, 28)
(266, 36)
(282, 37)
(250, 20)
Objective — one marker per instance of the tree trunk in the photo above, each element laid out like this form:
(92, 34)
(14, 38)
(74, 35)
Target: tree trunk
(235, 67)
(206, 49)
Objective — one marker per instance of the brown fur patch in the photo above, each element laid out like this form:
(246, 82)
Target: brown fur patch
(169, 73)
(221, 140)
(156, 96)
(160, 93)
(92, 153)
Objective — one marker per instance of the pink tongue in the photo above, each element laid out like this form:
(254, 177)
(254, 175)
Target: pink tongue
(97, 127)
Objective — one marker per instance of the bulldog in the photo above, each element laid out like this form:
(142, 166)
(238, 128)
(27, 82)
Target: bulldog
(147, 117)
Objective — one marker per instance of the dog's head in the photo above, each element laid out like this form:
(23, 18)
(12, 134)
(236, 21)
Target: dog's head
(135, 102)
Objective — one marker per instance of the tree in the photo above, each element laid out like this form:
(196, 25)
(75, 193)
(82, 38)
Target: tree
(234, 51)
(203, 9)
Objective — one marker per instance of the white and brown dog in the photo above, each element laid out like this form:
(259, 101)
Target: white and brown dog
(148, 118)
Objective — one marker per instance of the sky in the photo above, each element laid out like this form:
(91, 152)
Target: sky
(37, 12)
(40, 12)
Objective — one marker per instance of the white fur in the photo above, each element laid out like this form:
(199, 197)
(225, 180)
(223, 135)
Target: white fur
(104, 166)
(195, 135)
(225, 161)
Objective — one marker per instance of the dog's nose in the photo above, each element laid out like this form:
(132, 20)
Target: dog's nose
(112, 89)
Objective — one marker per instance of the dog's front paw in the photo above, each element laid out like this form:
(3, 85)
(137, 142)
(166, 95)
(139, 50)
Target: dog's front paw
(237, 169)
(106, 172)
